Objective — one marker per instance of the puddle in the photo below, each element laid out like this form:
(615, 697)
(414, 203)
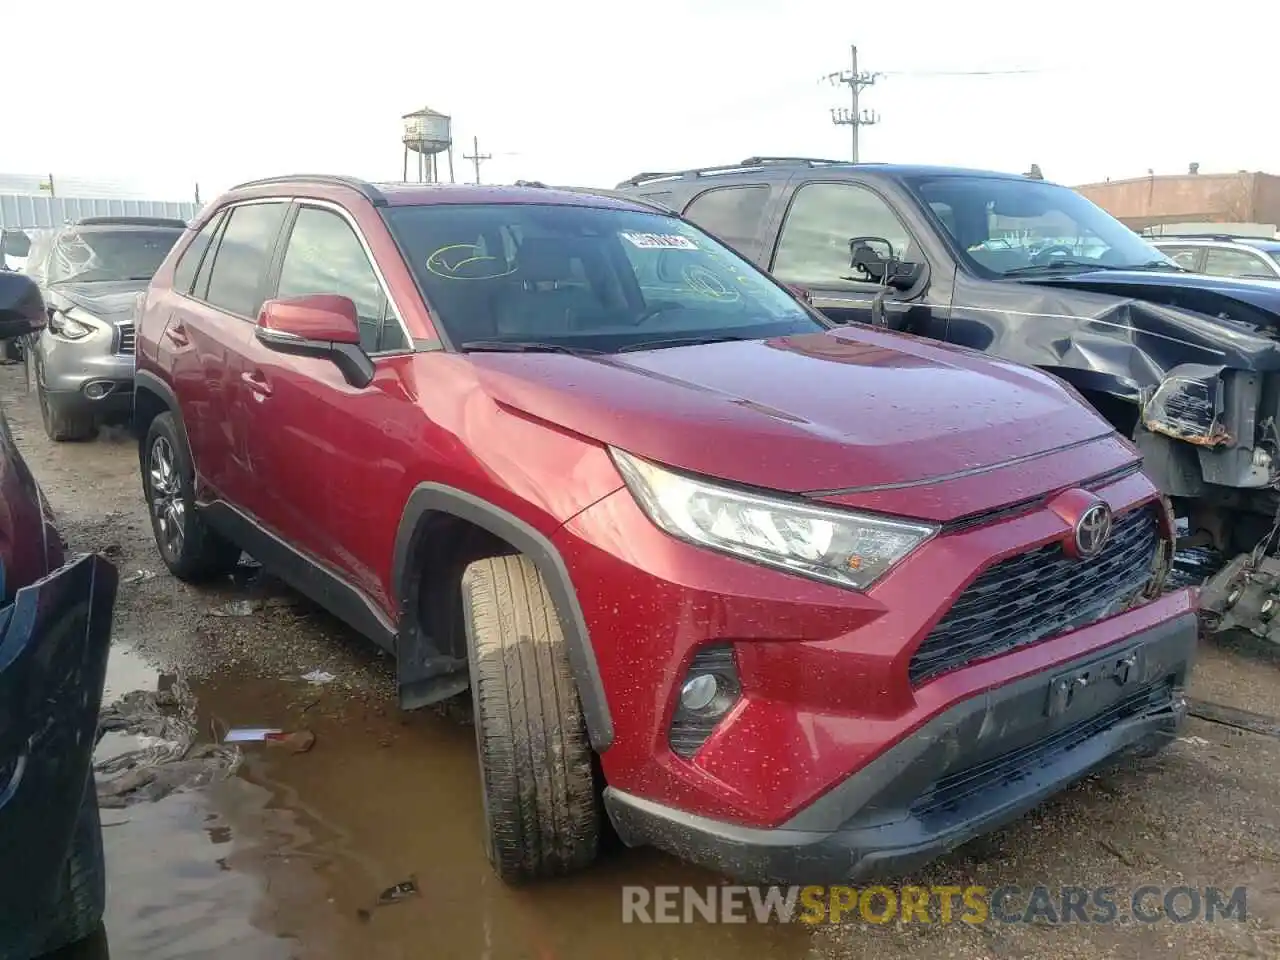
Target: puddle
(288, 857)
(127, 670)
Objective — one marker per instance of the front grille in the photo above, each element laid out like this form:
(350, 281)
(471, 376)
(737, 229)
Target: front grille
(1038, 594)
(955, 788)
(126, 340)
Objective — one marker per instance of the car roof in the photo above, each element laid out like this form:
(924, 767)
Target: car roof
(757, 166)
(326, 186)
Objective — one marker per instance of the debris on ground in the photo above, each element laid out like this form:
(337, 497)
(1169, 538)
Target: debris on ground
(401, 891)
(300, 740)
(236, 608)
(319, 677)
(140, 576)
(1234, 717)
(165, 757)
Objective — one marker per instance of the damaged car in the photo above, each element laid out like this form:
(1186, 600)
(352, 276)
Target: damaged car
(1186, 365)
(55, 633)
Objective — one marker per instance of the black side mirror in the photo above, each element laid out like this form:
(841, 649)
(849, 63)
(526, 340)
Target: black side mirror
(21, 305)
(876, 258)
(15, 243)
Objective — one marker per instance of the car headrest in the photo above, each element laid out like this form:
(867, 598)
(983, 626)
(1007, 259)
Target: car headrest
(542, 260)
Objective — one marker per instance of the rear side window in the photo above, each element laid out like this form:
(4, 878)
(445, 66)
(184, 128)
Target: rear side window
(184, 274)
(1186, 257)
(1221, 262)
(731, 214)
(240, 266)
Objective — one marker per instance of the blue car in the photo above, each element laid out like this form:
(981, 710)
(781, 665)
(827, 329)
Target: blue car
(55, 633)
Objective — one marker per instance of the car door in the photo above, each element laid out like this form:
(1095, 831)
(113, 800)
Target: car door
(211, 331)
(322, 450)
(813, 252)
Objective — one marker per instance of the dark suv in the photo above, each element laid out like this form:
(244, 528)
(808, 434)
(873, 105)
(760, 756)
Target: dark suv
(1024, 270)
(804, 602)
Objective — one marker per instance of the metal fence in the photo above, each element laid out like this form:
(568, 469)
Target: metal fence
(19, 212)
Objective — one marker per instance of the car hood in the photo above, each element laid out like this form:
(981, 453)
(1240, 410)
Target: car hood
(803, 414)
(1215, 296)
(108, 299)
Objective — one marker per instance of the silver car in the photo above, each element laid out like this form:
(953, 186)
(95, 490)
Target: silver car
(92, 273)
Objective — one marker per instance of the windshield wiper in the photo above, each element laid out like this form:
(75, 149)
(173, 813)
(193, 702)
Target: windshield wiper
(1155, 265)
(1060, 265)
(679, 342)
(521, 346)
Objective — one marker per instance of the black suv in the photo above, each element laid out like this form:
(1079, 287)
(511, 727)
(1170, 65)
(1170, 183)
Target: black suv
(1030, 271)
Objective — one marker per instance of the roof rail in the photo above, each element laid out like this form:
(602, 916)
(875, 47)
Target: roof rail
(126, 221)
(364, 188)
(811, 161)
(1204, 236)
(747, 164)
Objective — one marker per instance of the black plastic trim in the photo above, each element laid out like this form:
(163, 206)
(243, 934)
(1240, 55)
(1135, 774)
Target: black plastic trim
(301, 572)
(437, 498)
(148, 381)
(865, 828)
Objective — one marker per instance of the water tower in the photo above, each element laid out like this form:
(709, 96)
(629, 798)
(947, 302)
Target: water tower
(427, 134)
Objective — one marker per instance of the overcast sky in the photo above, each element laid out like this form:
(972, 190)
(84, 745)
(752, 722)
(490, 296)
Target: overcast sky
(164, 94)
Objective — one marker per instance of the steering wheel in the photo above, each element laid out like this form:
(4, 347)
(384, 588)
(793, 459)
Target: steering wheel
(1044, 254)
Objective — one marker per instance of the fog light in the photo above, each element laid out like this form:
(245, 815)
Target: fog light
(98, 389)
(699, 692)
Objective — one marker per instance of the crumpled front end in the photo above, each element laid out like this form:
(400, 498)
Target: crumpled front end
(54, 641)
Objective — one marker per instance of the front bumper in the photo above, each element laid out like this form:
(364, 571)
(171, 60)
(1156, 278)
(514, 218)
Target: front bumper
(983, 762)
(54, 641)
(66, 368)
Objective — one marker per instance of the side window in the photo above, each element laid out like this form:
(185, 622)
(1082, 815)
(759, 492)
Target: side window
(731, 214)
(1224, 262)
(240, 265)
(325, 256)
(184, 274)
(201, 289)
(1186, 257)
(813, 249)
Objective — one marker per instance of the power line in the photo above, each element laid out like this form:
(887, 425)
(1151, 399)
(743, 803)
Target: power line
(476, 157)
(858, 80)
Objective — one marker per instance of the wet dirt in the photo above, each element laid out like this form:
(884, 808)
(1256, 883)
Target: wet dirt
(287, 858)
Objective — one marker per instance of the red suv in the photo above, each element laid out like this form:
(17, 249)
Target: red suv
(804, 603)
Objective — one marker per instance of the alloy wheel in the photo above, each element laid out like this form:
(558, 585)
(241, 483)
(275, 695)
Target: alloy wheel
(168, 508)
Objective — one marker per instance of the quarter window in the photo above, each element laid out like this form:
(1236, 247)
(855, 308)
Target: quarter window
(325, 256)
(732, 214)
(1236, 263)
(184, 274)
(814, 247)
(240, 266)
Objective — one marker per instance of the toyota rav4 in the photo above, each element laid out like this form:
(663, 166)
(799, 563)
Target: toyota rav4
(797, 602)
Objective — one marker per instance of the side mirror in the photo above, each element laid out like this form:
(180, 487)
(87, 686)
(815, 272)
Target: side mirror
(876, 258)
(325, 326)
(21, 305)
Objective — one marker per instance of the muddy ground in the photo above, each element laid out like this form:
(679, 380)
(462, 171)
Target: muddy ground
(287, 857)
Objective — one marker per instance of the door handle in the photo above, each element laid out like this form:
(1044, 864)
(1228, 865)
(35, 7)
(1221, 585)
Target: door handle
(257, 383)
(176, 333)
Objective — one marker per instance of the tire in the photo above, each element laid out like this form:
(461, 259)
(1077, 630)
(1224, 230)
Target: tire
(64, 425)
(196, 552)
(539, 789)
(76, 913)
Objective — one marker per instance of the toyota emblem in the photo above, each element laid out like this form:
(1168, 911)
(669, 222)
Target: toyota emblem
(1092, 530)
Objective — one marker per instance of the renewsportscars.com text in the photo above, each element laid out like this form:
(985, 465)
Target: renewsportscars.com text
(933, 905)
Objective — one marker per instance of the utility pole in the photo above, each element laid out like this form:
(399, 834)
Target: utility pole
(850, 116)
(476, 157)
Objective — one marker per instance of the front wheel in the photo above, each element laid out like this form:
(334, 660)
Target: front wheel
(76, 912)
(537, 781)
(62, 425)
(189, 547)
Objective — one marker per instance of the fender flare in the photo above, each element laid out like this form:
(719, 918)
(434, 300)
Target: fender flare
(439, 498)
(148, 381)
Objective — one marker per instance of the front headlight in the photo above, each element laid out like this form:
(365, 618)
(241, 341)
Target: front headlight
(839, 546)
(73, 324)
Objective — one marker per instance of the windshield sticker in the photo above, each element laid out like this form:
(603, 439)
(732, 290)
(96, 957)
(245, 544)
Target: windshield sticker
(659, 241)
(703, 282)
(467, 261)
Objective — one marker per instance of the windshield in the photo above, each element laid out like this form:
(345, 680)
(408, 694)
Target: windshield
(96, 254)
(1008, 227)
(588, 278)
